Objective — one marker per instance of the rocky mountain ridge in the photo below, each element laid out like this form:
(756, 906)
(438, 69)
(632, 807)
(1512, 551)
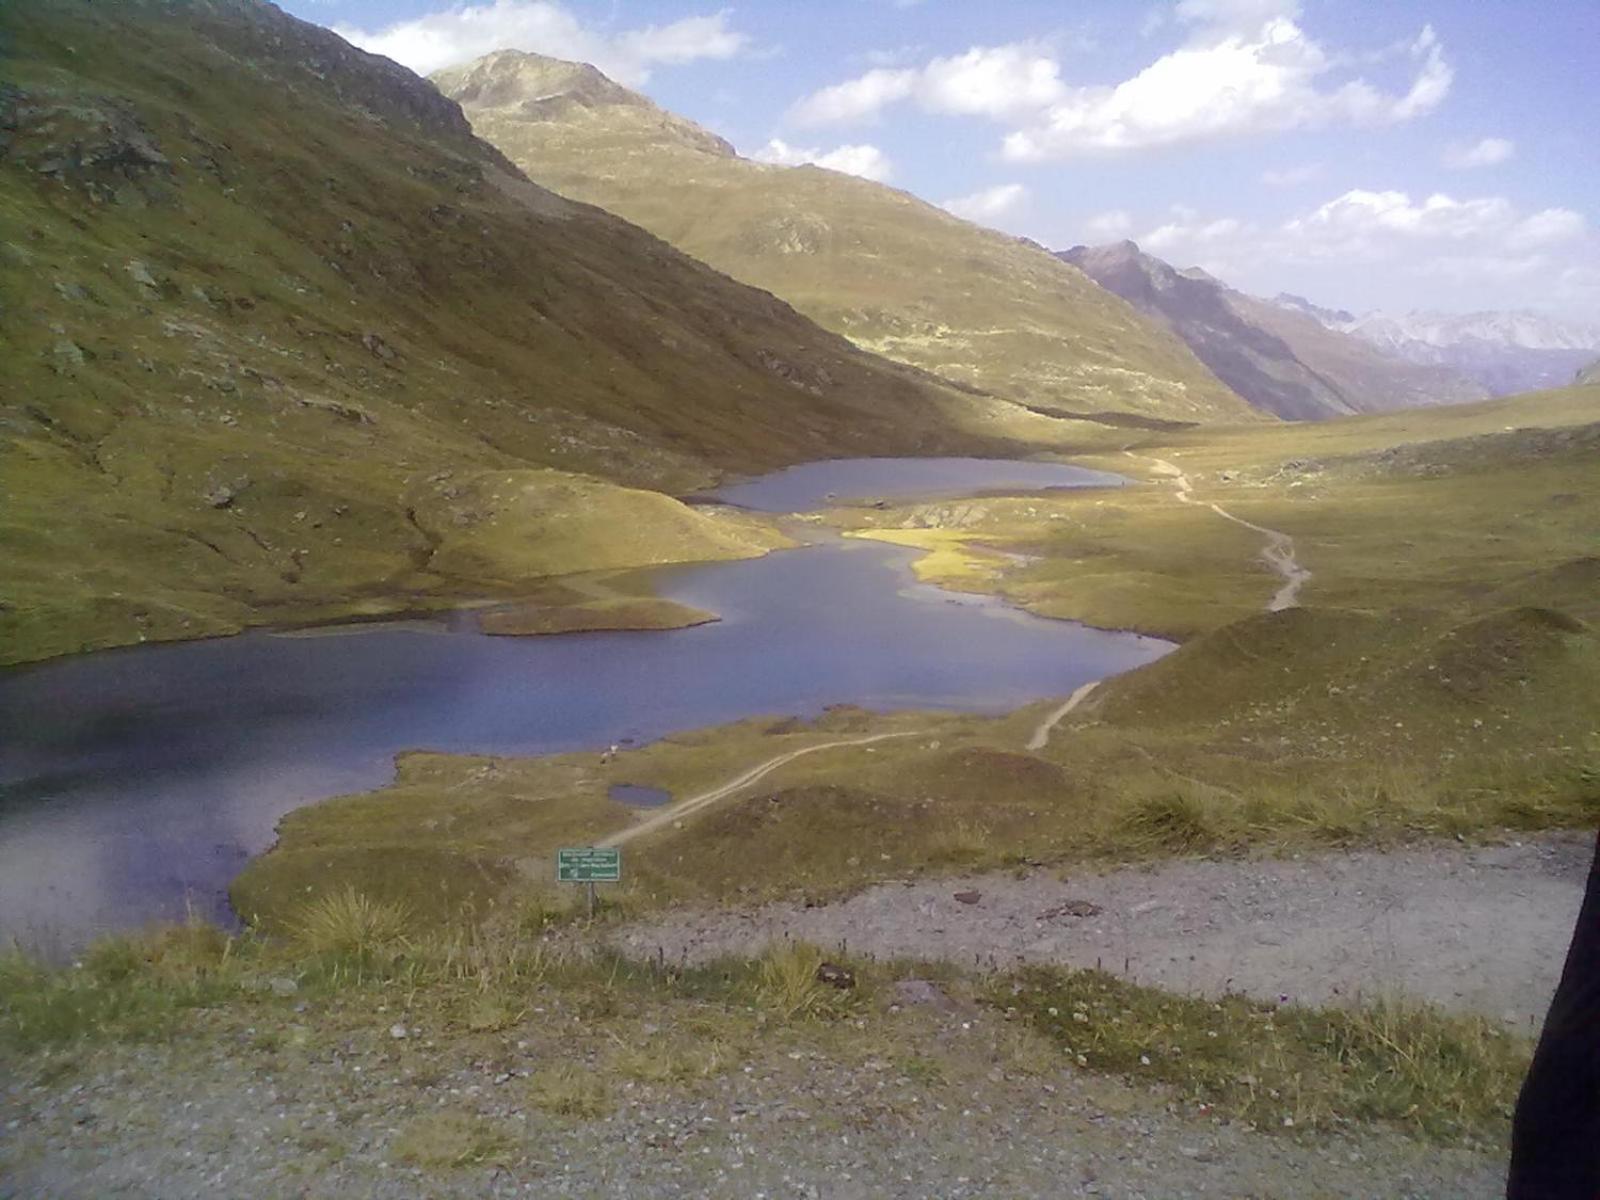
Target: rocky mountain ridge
(1283, 361)
(1504, 352)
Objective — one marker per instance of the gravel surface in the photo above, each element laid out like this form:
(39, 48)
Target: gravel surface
(205, 1119)
(316, 1098)
(1480, 929)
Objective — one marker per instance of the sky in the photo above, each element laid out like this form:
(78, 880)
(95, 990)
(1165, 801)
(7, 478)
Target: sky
(1408, 154)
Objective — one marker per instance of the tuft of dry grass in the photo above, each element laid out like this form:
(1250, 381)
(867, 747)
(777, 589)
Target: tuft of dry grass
(570, 1091)
(452, 1140)
(668, 1060)
(1176, 821)
(350, 925)
(786, 984)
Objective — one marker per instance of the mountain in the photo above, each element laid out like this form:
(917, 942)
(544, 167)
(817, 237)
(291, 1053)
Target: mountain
(285, 341)
(1283, 361)
(1505, 352)
(893, 274)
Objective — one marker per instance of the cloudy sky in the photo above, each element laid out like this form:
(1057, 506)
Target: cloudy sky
(1404, 154)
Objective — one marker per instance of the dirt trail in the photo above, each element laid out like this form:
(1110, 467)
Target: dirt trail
(1041, 735)
(1473, 929)
(674, 813)
(1278, 554)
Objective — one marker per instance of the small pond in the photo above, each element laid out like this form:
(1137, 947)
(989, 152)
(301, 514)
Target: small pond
(637, 795)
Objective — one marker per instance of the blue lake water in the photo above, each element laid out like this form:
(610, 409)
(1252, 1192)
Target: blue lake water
(135, 783)
(818, 484)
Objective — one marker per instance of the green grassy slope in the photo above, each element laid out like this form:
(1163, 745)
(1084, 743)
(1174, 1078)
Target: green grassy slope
(893, 274)
(272, 314)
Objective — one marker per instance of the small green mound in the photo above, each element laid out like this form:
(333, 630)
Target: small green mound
(1508, 649)
(1257, 660)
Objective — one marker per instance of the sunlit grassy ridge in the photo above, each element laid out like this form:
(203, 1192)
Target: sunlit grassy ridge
(284, 342)
(894, 274)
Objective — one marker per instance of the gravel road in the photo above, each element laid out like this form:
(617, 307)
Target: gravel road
(1480, 929)
(307, 1104)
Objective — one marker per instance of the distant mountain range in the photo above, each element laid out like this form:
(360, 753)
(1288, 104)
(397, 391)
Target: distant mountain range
(895, 275)
(1504, 352)
(1290, 360)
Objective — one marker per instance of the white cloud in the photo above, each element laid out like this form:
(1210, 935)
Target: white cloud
(1367, 224)
(1282, 177)
(992, 81)
(1227, 84)
(864, 160)
(1489, 152)
(991, 204)
(1551, 227)
(1246, 69)
(1483, 241)
(453, 35)
(1110, 226)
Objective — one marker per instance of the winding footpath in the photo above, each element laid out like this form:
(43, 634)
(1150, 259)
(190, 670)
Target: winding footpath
(674, 813)
(1278, 553)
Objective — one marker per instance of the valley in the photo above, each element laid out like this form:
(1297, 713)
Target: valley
(1069, 726)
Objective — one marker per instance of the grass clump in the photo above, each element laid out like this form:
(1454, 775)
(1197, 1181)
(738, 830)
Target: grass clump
(701, 1048)
(1437, 1075)
(566, 1090)
(1173, 821)
(350, 925)
(452, 1140)
(786, 984)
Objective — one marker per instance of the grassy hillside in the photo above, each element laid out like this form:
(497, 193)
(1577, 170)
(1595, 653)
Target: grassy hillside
(273, 316)
(893, 274)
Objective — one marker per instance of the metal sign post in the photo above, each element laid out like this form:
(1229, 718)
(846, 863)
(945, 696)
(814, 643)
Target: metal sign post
(589, 865)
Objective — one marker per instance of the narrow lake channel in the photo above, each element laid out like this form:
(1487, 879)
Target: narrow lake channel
(135, 783)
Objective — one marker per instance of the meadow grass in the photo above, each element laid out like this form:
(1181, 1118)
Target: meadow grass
(1283, 1067)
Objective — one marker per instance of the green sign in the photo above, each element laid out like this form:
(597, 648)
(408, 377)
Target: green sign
(588, 864)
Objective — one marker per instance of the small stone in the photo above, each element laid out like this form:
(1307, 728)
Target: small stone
(140, 274)
(922, 993)
(68, 354)
(399, 1032)
(380, 348)
(967, 897)
(281, 985)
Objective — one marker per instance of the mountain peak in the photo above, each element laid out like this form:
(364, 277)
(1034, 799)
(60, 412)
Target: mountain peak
(531, 82)
(520, 85)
